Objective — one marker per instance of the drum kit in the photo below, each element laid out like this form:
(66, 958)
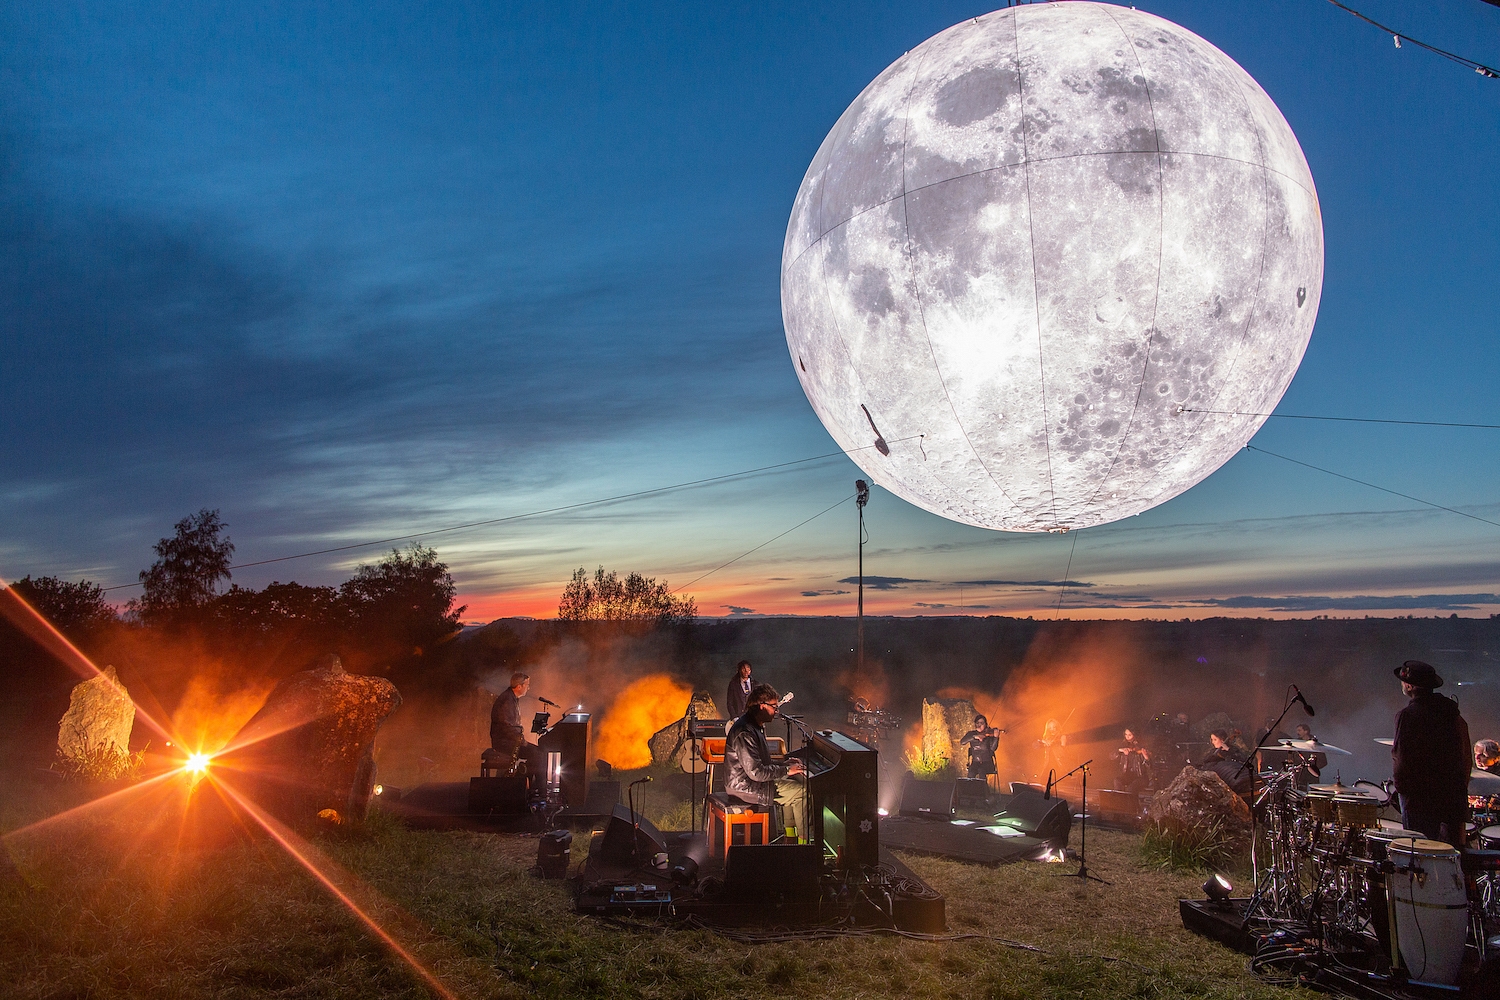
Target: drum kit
(1327, 863)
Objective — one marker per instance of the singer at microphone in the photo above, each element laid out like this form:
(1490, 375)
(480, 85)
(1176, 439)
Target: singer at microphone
(753, 776)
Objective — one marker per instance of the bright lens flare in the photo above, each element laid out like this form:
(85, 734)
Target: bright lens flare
(196, 763)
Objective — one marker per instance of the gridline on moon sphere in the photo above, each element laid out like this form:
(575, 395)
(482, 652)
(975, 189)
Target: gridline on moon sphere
(1032, 247)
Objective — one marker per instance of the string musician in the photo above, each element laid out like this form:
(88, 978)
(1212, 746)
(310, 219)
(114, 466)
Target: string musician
(1132, 760)
(983, 740)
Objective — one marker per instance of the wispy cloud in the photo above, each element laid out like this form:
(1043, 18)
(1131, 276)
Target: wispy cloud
(735, 609)
(823, 593)
(962, 607)
(883, 582)
(1021, 583)
(1421, 602)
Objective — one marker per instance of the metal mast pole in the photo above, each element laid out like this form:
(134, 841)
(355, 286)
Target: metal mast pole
(861, 497)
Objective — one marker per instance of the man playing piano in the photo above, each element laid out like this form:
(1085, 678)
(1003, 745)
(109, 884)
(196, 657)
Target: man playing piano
(753, 775)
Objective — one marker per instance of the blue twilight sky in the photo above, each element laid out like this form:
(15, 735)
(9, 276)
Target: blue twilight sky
(351, 271)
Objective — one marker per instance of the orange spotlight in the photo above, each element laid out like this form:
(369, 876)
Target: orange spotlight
(196, 763)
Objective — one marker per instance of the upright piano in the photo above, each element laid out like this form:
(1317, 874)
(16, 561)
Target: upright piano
(566, 746)
(844, 788)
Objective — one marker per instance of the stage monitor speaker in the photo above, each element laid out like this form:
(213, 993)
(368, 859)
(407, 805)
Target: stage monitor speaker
(627, 843)
(930, 799)
(973, 791)
(497, 796)
(1037, 816)
(1118, 805)
(772, 874)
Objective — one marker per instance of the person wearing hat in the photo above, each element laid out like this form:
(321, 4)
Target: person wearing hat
(1430, 758)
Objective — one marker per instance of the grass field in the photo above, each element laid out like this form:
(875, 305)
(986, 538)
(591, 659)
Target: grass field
(113, 904)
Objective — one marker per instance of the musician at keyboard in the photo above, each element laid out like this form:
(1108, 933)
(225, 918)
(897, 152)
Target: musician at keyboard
(753, 775)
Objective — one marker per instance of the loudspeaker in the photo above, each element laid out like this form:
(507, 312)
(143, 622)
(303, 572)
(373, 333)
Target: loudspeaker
(973, 792)
(932, 799)
(772, 874)
(1118, 805)
(554, 850)
(497, 796)
(624, 844)
(1036, 816)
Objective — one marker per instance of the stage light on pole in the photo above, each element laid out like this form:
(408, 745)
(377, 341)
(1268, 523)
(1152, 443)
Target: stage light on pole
(861, 497)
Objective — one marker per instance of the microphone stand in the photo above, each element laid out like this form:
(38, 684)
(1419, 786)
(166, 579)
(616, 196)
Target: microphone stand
(692, 724)
(1083, 837)
(635, 823)
(806, 776)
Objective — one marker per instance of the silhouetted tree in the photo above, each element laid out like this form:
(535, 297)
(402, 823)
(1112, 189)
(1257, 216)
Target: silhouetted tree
(403, 603)
(635, 599)
(74, 608)
(280, 608)
(189, 567)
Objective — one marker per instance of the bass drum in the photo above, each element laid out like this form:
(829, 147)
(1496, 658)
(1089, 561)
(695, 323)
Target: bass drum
(1432, 909)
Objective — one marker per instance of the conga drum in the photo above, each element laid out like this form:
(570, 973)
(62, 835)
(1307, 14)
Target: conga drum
(1431, 905)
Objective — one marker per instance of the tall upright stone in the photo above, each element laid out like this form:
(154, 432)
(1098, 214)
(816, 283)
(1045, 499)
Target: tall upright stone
(670, 744)
(311, 746)
(944, 723)
(100, 713)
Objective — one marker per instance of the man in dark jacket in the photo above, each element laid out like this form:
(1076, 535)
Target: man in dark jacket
(1431, 757)
(506, 734)
(738, 695)
(753, 776)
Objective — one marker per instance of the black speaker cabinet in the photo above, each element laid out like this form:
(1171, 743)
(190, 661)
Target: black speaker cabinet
(931, 799)
(973, 791)
(773, 874)
(497, 796)
(626, 843)
(1037, 816)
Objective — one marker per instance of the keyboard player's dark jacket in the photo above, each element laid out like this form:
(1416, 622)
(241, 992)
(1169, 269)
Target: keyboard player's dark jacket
(752, 773)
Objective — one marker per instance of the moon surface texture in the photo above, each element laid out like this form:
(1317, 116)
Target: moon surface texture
(1033, 248)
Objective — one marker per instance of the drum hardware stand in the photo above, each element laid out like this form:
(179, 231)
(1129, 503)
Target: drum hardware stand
(1260, 886)
(1083, 872)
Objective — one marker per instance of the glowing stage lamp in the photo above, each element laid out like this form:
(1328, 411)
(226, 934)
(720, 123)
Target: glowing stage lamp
(1217, 888)
(196, 764)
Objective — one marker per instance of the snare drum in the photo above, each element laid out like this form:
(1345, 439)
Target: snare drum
(1432, 909)
(1357, 811)
(1489, 838)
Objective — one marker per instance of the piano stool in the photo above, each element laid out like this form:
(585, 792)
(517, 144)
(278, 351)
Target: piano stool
(499, 764)
(731, 815)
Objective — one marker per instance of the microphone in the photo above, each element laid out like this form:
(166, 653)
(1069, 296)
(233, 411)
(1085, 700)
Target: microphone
(546, 701)
(1305, 706)
(640, 781)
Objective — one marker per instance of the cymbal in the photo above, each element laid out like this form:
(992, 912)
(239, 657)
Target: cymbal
(1386, 741)
(1313, 746)
(1481, 774)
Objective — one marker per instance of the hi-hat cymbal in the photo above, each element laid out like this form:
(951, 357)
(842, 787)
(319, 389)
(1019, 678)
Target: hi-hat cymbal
(1386, 741)
(1313, 746)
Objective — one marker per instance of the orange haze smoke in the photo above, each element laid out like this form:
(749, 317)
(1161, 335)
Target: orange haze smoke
(637, 712)
(207, 717)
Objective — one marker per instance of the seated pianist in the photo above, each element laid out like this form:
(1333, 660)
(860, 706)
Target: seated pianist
(507, 737)
(754, 776)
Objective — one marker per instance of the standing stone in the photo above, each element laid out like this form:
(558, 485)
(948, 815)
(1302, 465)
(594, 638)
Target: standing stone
(100, 713)
(311, 746)
(670, 744)
(944, 723)
(1200, 801)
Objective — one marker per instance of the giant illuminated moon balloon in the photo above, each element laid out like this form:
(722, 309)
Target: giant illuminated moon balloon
(1033, 249)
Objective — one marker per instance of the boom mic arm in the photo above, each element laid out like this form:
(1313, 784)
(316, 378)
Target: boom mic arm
(1305, 706)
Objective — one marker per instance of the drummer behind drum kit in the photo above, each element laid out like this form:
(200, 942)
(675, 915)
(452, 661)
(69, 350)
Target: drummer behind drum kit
(1360, 884)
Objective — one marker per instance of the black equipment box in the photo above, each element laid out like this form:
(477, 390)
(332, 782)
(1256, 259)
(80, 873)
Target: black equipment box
(778, 874)
(498, 796)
